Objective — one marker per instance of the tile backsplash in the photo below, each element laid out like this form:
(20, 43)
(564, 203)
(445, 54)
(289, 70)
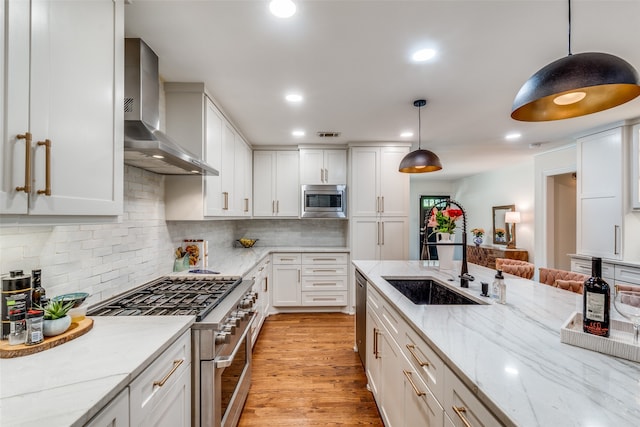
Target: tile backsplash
(106, 259)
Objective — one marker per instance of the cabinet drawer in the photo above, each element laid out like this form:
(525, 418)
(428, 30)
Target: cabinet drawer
(374, 299)
(627, 274)
(286, 258)
(421, 408)
(115, 414)
(584, 266)
(323, 259)
(322, 299)
(152, 385)
(324, 270)
(392, 322)
(326, 283)
(425, 362)
(461, 404)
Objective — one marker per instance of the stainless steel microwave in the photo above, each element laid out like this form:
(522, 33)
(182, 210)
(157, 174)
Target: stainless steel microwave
(324, 201)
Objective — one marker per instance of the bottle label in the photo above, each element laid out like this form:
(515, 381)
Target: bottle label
(595, 306)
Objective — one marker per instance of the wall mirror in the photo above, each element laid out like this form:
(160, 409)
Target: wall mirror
(501, 233)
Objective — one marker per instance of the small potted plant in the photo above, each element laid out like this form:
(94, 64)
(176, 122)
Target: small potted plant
(56, 318)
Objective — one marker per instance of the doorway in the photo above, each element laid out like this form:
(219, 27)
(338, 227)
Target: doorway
(426, 203)
(561, 219)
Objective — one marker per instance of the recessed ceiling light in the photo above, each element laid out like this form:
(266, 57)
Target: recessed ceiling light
(282, 8)
(406, 134)
(512, 136)
(297, 133)
(423, 55)
(293, 97)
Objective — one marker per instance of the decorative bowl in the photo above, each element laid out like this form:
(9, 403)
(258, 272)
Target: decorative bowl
(77, 297)
(247, 243)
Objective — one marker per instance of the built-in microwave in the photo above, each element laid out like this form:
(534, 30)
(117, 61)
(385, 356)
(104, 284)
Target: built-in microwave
(324, 201)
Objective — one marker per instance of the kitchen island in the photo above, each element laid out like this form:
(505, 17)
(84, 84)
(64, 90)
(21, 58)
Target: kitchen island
(511, 355)
(69, 384)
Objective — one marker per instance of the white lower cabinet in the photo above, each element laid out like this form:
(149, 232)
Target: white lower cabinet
(310, 279)
(421, 408)
(159, 397)
(161, 394)
(411, 384)
(462, 406)
(261, 275)
(613, 271)
(115, 414)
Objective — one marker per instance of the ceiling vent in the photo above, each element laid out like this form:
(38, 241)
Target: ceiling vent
(328, 134)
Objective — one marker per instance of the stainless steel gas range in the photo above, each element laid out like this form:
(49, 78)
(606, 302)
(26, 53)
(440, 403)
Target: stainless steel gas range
(220, 338)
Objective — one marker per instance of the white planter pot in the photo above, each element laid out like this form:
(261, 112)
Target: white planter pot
(445, 252)
(56, 326)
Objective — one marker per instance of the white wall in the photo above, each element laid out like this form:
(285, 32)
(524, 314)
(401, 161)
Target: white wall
(512, 184)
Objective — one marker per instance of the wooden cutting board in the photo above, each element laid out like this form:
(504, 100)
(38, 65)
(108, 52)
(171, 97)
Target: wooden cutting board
(75, 330)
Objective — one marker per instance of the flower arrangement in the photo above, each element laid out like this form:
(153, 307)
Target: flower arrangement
(444, 221)
(477, 232)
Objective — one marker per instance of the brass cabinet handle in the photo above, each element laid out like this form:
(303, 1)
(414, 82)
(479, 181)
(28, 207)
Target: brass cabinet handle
(325, 270)
(266, 284)
(299, 274)
(325, 259)
(382, 204)
(412, 349)
(176, 365)
(225, 194)
(326, 175)
(413, 385)
(375, 343)
(321, 175)
(324, 284)
(378, 204)
(460, 411)
(615, 239)
(246, 204)
(47, 167)
(277, 206)
(273, 206)
(27, 162)
(382, 228)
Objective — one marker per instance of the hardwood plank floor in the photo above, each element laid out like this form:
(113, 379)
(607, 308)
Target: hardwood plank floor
(305, 373)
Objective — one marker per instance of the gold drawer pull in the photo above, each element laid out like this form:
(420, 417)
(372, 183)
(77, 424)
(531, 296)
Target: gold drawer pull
(27, 162)
(225, 195)
(460, 411)
(176, 365)
(47, 167)
(412, 349)
(413, 385)
(375, 342)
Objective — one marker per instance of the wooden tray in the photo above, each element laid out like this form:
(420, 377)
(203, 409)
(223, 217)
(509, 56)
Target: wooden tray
(75, 330)
(618, 344)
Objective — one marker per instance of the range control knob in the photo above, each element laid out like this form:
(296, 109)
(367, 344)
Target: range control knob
(233, 320)
(229, 328)
(240, 314)
(246, 303)
(223, 338)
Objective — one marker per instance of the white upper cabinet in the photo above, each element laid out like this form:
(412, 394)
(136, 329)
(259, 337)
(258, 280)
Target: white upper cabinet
(377, 188)
(600, 203)
(195, 122)
(319, 167)
(276, 189)
(63, 125)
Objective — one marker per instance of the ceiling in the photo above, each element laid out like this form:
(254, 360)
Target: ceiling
(350, 59)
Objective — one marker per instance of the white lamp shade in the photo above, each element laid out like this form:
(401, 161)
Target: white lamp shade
(512, 217)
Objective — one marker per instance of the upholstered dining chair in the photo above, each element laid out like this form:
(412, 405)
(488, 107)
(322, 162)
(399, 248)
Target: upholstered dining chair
(515, 267)
(567, 280)
(632, 300)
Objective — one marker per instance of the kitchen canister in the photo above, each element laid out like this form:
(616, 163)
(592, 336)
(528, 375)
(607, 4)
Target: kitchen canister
(13, 287)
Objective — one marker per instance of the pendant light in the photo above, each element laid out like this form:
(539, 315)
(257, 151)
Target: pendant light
(576, 85)
(420, 161)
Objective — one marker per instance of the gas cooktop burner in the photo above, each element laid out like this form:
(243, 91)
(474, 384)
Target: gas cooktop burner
(170, 296)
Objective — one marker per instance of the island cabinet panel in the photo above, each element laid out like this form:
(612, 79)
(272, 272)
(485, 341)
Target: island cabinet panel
(462, 406)
(486, 255)
(411, 384)
(115, 414)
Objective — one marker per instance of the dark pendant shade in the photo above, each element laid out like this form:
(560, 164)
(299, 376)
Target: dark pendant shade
(596, 81)
(420, 161)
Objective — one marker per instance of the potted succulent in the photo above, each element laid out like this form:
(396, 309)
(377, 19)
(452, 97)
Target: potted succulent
(56, 319)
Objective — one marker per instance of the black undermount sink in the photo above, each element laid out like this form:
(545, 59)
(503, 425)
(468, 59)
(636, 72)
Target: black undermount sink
(427, 291)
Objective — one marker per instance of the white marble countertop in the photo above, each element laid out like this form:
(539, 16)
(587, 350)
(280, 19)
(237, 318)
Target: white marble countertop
(239, 261)
(513, 353)
(70, 383)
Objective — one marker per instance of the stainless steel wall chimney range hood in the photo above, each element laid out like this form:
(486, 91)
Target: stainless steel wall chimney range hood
(144, 145)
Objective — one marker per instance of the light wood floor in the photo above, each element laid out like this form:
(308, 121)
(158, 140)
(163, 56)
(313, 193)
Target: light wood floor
(305, 373)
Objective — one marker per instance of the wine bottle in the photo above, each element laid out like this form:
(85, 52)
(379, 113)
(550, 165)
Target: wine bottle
(596, 300)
